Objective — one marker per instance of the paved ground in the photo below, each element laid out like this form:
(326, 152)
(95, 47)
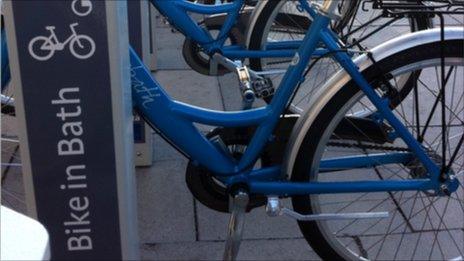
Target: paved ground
(173, 225)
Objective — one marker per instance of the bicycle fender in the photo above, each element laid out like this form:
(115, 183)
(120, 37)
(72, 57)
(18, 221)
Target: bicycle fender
(340, 79)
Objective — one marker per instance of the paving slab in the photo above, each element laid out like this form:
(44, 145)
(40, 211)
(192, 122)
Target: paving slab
(168, 44)
(165, 206)
(193, 88)
(189, 86)
(163, 151)
(12, 180)
(230, 93)
(169, 50)
(288, 249)
(212, 225)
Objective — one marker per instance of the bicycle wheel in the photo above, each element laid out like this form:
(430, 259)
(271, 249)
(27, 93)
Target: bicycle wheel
(285, 21)
(37, 50)
(421, 225)
(82, 47)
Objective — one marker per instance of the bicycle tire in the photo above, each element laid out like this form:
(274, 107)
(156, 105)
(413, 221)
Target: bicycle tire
(83, 39)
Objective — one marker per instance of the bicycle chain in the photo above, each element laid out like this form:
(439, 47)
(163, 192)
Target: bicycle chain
(365, 146)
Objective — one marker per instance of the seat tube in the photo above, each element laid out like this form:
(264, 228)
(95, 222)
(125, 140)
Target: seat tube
(286, 88)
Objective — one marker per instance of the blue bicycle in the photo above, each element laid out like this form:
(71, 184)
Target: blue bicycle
(369, 177)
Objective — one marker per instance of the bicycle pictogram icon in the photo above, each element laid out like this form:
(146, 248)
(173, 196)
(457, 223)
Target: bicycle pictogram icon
(43, 48)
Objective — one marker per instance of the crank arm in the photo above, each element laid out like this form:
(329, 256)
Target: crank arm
(218, 59)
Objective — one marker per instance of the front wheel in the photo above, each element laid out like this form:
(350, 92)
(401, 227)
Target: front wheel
(82, 47)
(421, 224)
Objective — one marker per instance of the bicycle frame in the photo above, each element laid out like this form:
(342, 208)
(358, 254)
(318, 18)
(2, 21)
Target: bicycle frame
(55, 42)
(175, 121)
(176, 11)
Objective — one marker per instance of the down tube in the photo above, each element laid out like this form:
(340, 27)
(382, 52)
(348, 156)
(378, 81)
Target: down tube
(155, 106)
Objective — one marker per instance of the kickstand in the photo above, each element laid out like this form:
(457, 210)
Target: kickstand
(238, 204)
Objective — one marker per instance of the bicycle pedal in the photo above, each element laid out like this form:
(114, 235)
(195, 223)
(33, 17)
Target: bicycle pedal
(274, 208)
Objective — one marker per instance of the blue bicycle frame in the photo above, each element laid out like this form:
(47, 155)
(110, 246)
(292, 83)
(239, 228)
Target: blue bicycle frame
(175, 121)
(176, 11)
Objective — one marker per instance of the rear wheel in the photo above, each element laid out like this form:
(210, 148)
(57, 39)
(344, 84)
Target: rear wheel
(421, 224)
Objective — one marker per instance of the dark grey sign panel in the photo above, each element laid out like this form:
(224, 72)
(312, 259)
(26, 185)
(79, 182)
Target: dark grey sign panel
(134, 9)
(64, 61)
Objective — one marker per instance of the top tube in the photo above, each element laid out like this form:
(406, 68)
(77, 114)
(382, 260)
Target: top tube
(202, 8)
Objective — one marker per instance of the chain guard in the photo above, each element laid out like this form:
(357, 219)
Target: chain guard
(209, 191)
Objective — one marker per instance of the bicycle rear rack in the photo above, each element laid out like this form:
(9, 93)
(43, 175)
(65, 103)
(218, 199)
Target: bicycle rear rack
(403, 8)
